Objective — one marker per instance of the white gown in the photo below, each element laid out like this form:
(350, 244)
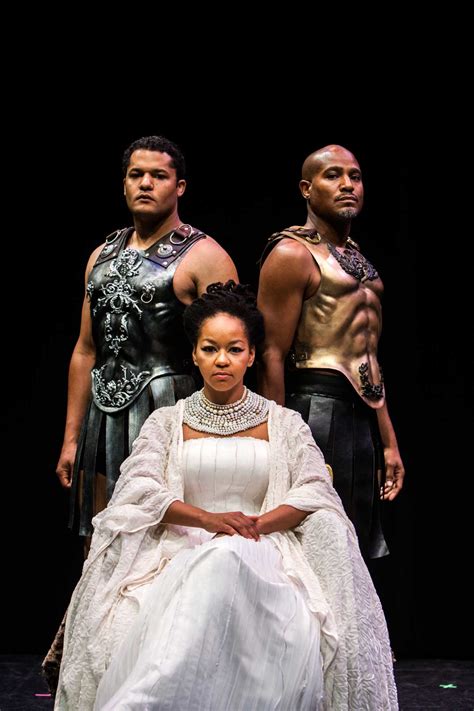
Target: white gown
(222, 627)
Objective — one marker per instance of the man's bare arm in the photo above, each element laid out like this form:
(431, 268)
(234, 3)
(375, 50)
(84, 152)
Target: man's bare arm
(288, 276)
(394, 469)
(205, 263)
(79, 387)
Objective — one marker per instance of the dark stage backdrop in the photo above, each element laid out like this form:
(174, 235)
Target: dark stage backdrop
(242, 186)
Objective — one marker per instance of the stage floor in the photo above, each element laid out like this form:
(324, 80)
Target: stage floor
(423, 684)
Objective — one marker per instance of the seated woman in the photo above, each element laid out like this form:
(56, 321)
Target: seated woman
(224, 573)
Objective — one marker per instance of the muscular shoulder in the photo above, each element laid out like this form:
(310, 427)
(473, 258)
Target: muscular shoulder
(204, 263)
(289, 264)
(290, 253)
(207, 247)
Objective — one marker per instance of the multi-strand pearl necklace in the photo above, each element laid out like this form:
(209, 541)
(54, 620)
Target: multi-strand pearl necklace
(205, 416)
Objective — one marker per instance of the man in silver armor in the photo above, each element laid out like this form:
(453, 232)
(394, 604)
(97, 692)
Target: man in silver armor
(321, 300)
(132, 355)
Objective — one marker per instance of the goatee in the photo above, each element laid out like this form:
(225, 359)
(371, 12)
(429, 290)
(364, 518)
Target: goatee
(348, 213)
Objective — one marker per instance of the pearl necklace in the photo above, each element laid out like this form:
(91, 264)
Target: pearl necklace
(205, 416)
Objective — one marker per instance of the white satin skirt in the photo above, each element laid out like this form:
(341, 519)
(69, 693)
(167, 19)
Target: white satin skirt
(222, 628)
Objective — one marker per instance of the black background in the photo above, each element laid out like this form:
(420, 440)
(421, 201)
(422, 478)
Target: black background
(243, 157)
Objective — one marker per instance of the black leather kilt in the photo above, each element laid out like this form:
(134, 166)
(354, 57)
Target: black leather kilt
(346, 430)
(106, 440)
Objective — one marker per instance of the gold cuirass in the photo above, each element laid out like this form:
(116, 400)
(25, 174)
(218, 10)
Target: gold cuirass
(340, 324)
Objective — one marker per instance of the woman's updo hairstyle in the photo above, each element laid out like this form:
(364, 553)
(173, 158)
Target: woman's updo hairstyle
(230, 298)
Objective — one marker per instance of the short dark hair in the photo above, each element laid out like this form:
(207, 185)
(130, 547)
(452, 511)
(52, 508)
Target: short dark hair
(157, 143)
(230, 298)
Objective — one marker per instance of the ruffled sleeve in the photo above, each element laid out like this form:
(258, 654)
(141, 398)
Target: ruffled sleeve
(142, 494)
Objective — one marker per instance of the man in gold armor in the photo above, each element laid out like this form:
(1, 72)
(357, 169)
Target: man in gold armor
(321, 300)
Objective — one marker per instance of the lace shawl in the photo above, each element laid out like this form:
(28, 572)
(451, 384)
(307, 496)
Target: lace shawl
(130, 547)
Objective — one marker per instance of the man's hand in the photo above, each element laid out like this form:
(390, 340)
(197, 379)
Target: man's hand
(65, 465)
(394, 474)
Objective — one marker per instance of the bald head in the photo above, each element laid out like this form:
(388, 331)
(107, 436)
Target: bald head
(323, 157)
(332, 185)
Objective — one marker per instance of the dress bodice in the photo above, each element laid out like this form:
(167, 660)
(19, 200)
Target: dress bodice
(226, 473)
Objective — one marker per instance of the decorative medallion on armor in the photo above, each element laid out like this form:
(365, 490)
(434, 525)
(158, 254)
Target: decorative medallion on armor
(309, 235)
(117, 393)
(115, 339)
(148, 290)
(136, 317)
(370, 391)
(118, 293)
(354, 263)
(107, 249)
(164, 250)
